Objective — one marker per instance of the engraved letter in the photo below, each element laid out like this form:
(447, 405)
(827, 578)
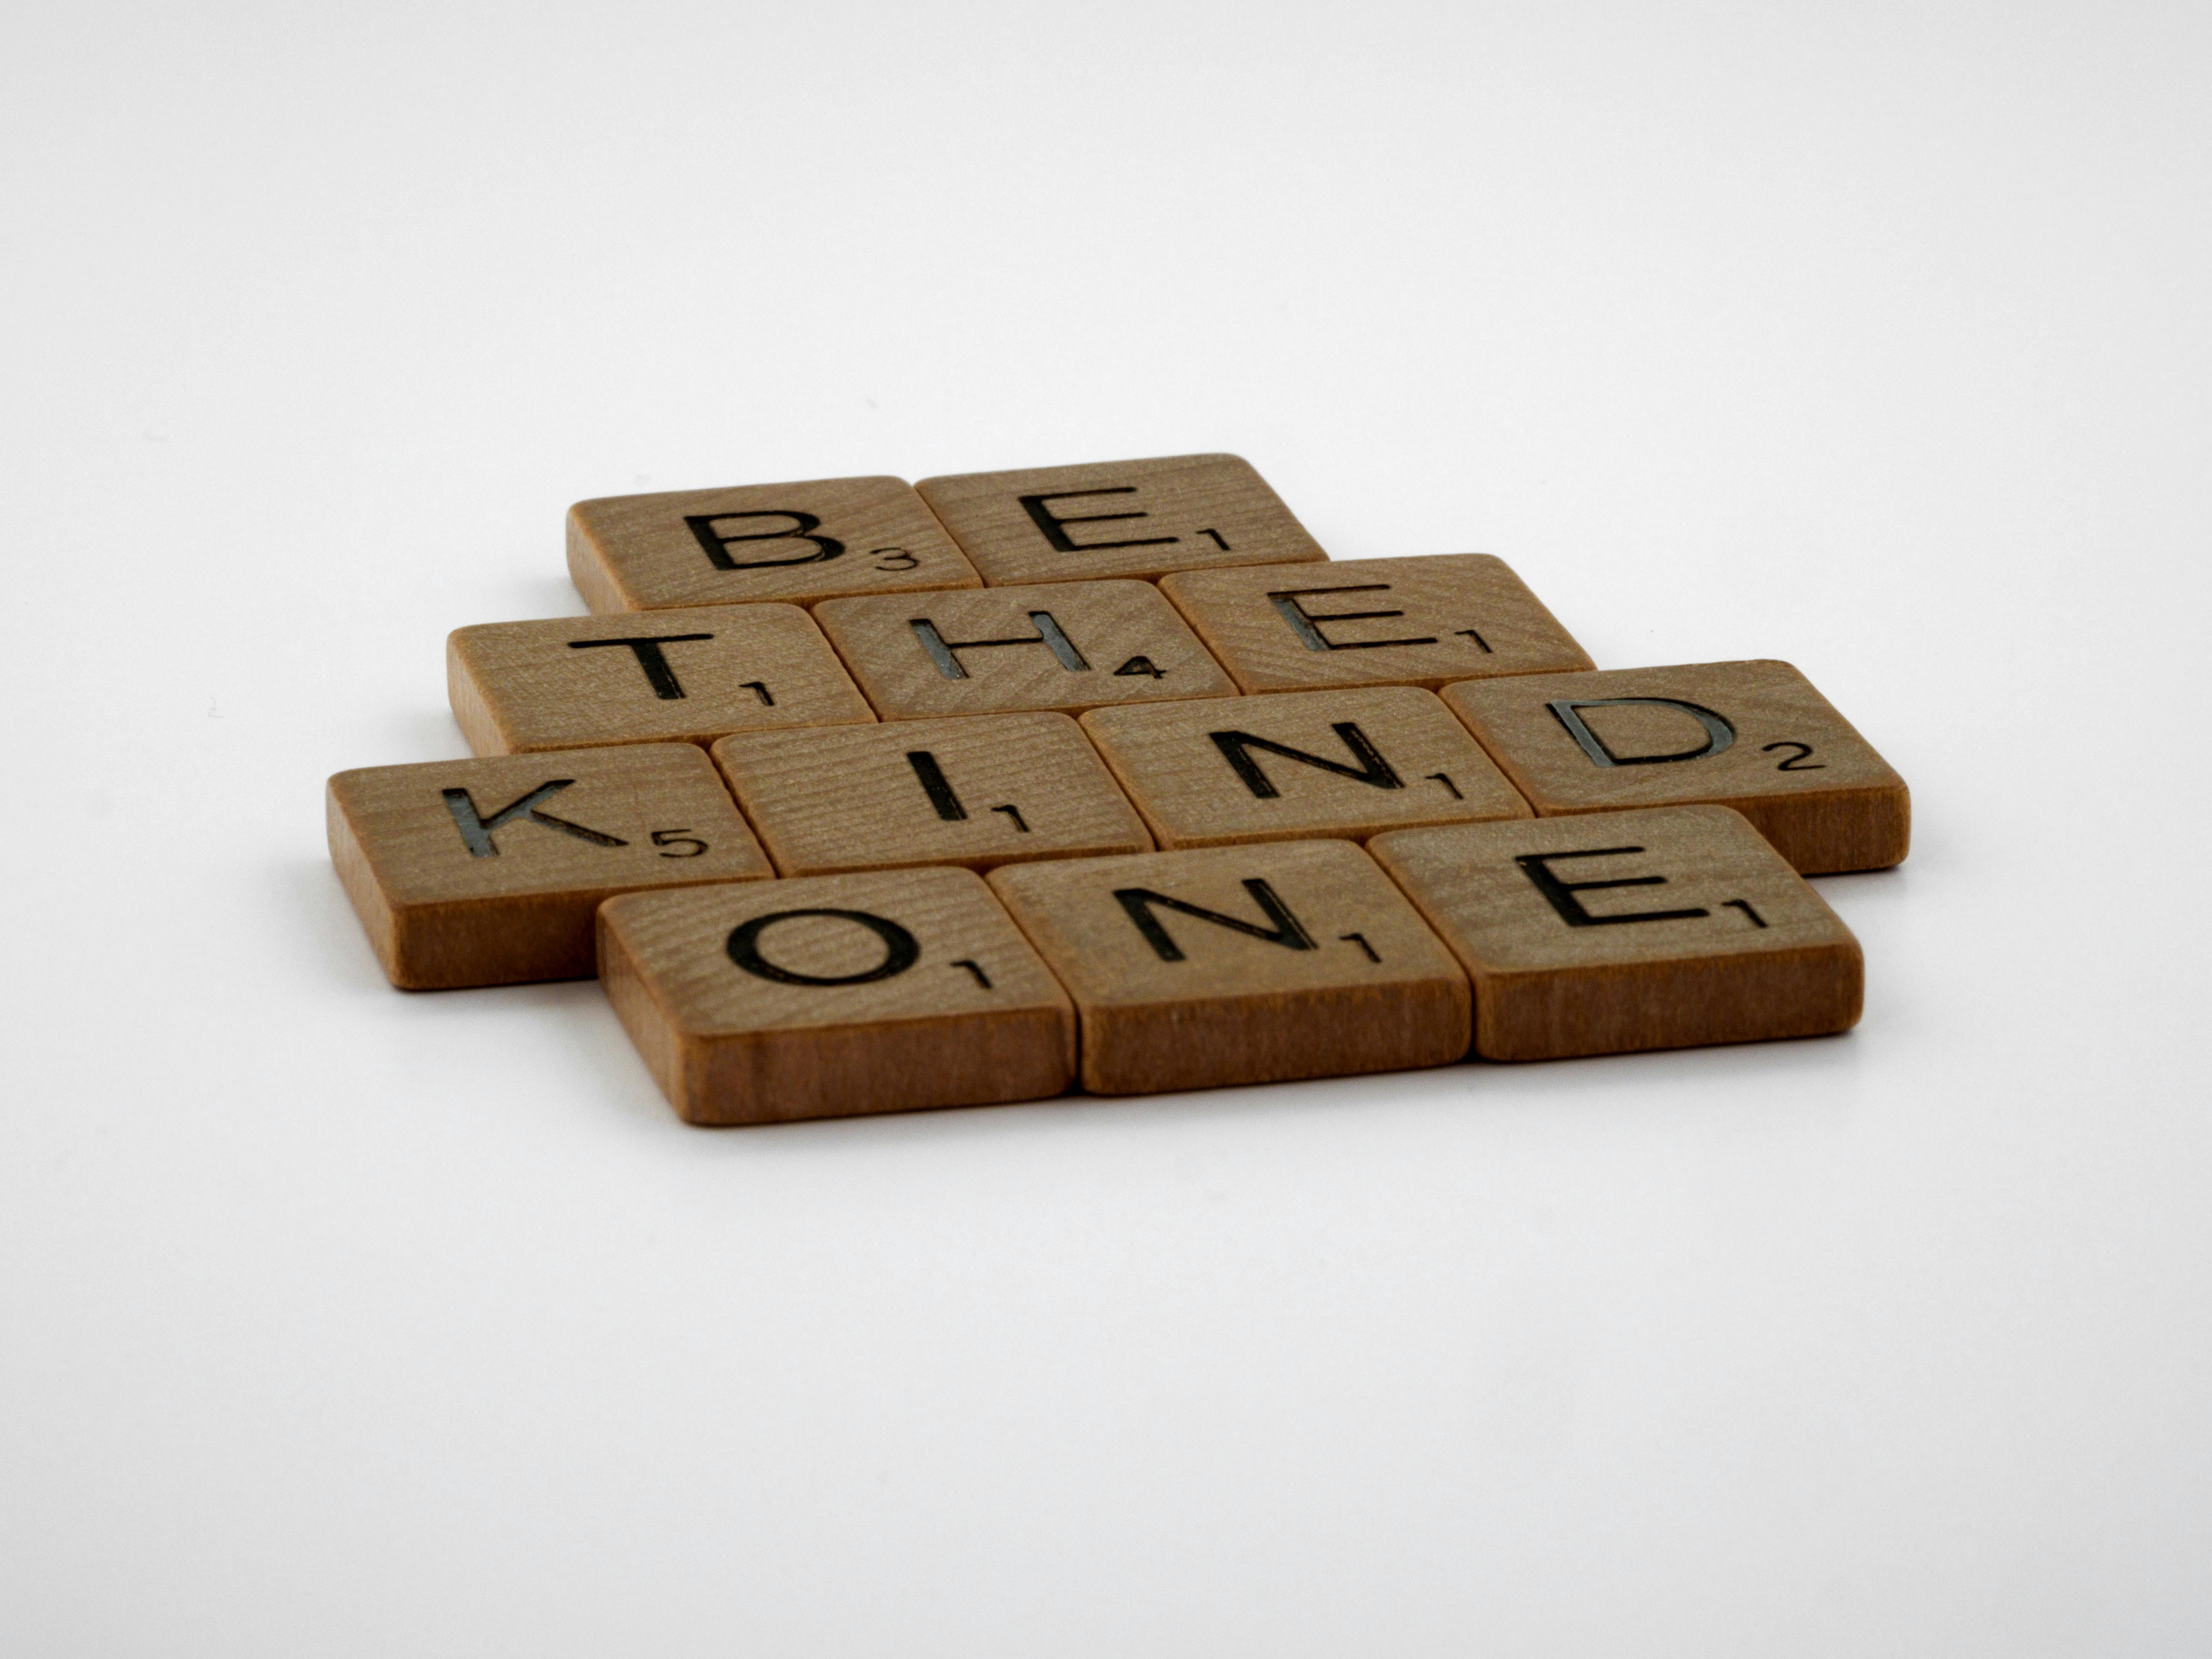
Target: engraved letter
(1302, 621)
(1052, 524)
(658, 674)
(1372, 767)
(943, 652)
(1719, 734)
(477, 829)
(1287, 932)
(901, 952)
(803, 526)
(1537, 866)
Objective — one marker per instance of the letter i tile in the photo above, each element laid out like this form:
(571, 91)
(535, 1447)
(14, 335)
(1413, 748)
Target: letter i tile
(834, 996)
(1754, 736)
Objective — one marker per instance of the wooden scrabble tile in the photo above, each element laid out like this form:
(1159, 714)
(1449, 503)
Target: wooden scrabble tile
(982, 791)
(1240, 964)
(1069, 645)
(688, 675)
(1597, 934)
(487, 871)
(1373, 621)
(1755, 736)
(1059, 524)
(795, 542)
(834, 996)
(1299, 765)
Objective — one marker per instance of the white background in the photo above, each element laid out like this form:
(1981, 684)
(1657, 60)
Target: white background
(335, 1321)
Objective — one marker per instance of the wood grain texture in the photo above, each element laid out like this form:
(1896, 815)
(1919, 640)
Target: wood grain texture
(487, 871)
(1064, 646)
(835, 996)
(1310, 964)
(1664, 928)
(1754, 736)
(980, 791)
(674, 675)
(755, 543)
(1107, 519)
(1373, 621)
(1215, 771)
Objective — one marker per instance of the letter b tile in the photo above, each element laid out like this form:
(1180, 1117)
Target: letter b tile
(1610, 931)
(1754, 736)
(1240, 964)
(835, 996)
(794, 542)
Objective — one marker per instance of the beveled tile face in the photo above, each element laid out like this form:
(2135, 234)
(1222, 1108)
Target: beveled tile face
(487, 871)
(687, 676)
(1661, 928)
(1066, 645)
(1118, 519)
(1240, 964)
(1754, 736)
(755, 543)
(834, 996)
(980, 791)
(1299, 766)
(1373, 621)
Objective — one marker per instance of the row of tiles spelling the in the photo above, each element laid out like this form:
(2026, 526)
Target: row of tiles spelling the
(955, 749)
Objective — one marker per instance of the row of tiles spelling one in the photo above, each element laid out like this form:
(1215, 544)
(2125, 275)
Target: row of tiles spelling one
(487, 871)
(836, 995)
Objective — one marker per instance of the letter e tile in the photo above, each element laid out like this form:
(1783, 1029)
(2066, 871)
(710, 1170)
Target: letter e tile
(1373, 621)
(1608, 932)
(1058, 524)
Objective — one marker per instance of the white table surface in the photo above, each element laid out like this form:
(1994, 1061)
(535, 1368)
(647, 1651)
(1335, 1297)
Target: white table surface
(335, 1321)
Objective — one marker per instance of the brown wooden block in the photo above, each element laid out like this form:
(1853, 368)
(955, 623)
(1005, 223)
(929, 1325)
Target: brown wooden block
(990, 790)
(1299, 766)
(1068, 646)
(1755, 736)
(675, 676)
(1662, 928)
(1373, 621)
(487, 871)
(1060, 524)
(794, 542)
(1241, 964)
(834, 996)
